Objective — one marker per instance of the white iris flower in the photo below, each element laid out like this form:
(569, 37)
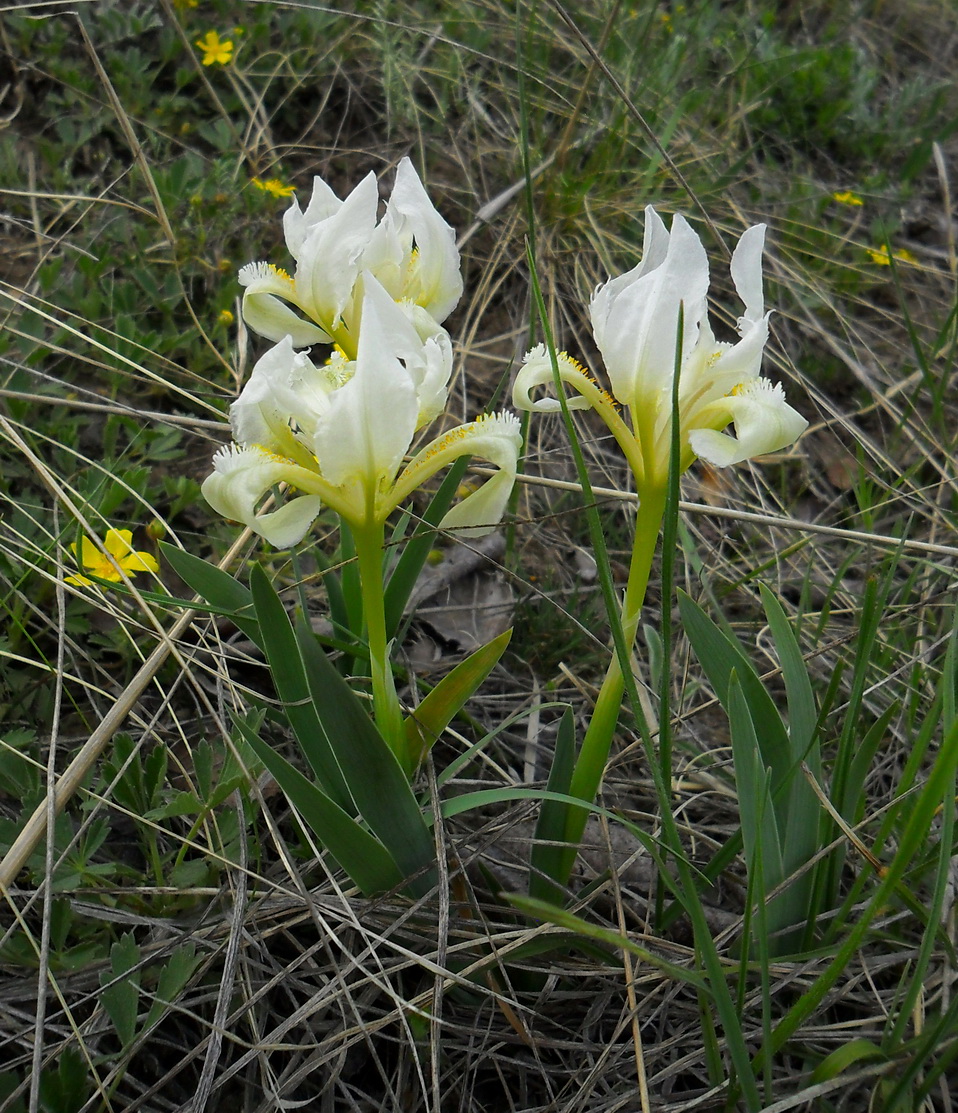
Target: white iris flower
(338, 433)
(411, 251)
(635, 321)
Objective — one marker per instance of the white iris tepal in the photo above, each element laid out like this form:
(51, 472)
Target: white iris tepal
(411, 251)
(338, 433)
(635, 320)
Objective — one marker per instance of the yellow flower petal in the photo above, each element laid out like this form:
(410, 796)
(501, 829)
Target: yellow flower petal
(118, 558)
(215, 49)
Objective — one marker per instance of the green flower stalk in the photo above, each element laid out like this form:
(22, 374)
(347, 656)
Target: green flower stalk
(635, 321)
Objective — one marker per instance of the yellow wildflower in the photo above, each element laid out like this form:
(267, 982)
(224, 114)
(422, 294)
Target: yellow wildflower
(846, 197)
(118, 558)
(215, 49)
(880, 256)
(274, 186)
(225, 317)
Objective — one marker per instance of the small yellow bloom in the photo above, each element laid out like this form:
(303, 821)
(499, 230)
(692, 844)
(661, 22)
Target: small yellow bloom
(880, 256)
(215, 49)
(274, 186)
(846, 197)
(225, 317)
(119, 545)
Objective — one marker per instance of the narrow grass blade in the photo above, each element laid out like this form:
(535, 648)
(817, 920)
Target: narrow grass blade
(802, 712)
(720, 655)
(938, 788)
(546, 865)
(542, 910)
(409, 565)
(761, 833)
(799, 812)
(944, 877)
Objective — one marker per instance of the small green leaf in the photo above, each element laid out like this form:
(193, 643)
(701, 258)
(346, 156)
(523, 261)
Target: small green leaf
(450, 695)
(183, 803)
(191, 873)
(173, 978)
(121, 998)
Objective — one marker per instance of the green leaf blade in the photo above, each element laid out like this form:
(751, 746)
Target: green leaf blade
(360, 854)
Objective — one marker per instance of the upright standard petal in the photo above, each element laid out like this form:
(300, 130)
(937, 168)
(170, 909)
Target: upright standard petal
(323, 204)
(432, 277)
(372, 418)
(636, 323)
(422, 345)
(746, 269)
(331, 256)
(412, 252)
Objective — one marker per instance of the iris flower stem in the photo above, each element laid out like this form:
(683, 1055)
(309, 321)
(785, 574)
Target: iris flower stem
(368, 540)
(594, 752)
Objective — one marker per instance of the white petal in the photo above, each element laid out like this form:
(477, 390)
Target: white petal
(655, 246)
(371, 420)
(764, 422)
(240, 479)
(256, 411)
(420, 343)
(496, 438)
(536, 371)
(436, 280)
(638, 321)
(431, 375)
(285, 388)
(266, 314)
(746, 270)
(330, 257)
(296, 224)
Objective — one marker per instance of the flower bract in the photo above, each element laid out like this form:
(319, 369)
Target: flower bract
(118, 558)
(411, 251)
(654, 318)
(338, 433)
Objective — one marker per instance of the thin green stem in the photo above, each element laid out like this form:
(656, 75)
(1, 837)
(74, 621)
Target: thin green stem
(594, 752)
(368, 540)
